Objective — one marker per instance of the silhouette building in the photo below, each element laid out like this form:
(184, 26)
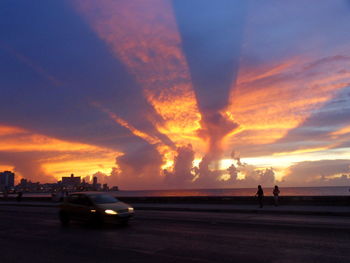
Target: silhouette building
(71, 181)
(95, 185)
(7, 179)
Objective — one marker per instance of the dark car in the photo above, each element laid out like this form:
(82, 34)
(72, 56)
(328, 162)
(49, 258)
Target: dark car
(94, 207)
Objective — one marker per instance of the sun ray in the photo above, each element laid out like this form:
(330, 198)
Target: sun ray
(144, 36)
(138, 133)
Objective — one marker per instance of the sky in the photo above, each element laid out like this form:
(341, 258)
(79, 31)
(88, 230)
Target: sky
(164, 94)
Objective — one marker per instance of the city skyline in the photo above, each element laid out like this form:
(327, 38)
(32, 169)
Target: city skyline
(163, 94)
(63, 186)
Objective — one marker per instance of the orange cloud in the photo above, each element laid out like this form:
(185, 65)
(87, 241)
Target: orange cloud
(53, 157)
(148, 138)
(269, 101)
(301, 151)
(15, 139)
(167, 152)
(342, 131)
(80, 166)
(144, 36)
(9, 130)
(6, 168)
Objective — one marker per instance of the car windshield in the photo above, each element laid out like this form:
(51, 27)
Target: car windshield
(103, 199)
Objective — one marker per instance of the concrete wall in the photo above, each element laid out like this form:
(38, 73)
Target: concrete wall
(245, 200)
(238, 200)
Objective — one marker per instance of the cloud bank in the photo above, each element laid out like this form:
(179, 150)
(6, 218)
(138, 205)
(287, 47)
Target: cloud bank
(155, 94)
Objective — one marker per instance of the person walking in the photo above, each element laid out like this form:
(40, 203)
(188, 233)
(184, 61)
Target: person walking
(19, 196)
(260, 195)
(276, 191)
(5, 193)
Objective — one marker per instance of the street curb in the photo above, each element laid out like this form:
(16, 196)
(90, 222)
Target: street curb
(208, 210)
(30, 205)
(248, 211)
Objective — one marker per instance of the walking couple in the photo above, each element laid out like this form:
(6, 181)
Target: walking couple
(260, 195)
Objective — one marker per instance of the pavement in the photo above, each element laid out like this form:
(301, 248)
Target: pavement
(34, 234)
(218, 208)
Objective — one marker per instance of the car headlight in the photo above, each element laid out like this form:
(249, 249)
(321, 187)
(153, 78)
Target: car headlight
(111, 212)
(131, 209)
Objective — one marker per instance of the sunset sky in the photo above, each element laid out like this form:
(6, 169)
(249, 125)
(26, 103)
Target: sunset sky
(176, 94)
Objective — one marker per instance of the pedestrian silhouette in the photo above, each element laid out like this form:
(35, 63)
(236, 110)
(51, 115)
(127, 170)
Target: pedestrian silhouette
(5, 193)
(276, 191)
(19, 196)
(260, 195)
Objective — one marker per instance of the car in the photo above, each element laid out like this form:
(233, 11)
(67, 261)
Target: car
(94, 207)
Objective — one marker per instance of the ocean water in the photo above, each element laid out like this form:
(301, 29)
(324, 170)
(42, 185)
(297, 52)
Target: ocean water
(285, 191)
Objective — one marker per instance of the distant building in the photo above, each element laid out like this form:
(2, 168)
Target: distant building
(23, 182)
(105, 187)
(22, 186)
(95, 184)
(7, 179)
(114, 188)
(71, 182)
(68, 183)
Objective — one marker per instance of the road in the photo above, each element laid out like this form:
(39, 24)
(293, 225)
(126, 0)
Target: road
(33, 234)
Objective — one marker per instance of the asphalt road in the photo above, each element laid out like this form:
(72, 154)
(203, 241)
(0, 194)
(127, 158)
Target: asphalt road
(29, 234)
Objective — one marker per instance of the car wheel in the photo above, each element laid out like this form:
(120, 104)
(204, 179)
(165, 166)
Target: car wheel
(124, 222)
(96, 220)
(64, 218)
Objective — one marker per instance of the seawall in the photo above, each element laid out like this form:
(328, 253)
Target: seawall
(233, 200)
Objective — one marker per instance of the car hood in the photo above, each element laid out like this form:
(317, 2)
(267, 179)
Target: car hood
(114, 206)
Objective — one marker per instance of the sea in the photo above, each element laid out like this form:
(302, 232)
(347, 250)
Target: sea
(285, 191)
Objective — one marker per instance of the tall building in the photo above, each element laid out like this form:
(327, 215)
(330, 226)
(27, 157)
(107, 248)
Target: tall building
(7, 179)
(95, 184)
